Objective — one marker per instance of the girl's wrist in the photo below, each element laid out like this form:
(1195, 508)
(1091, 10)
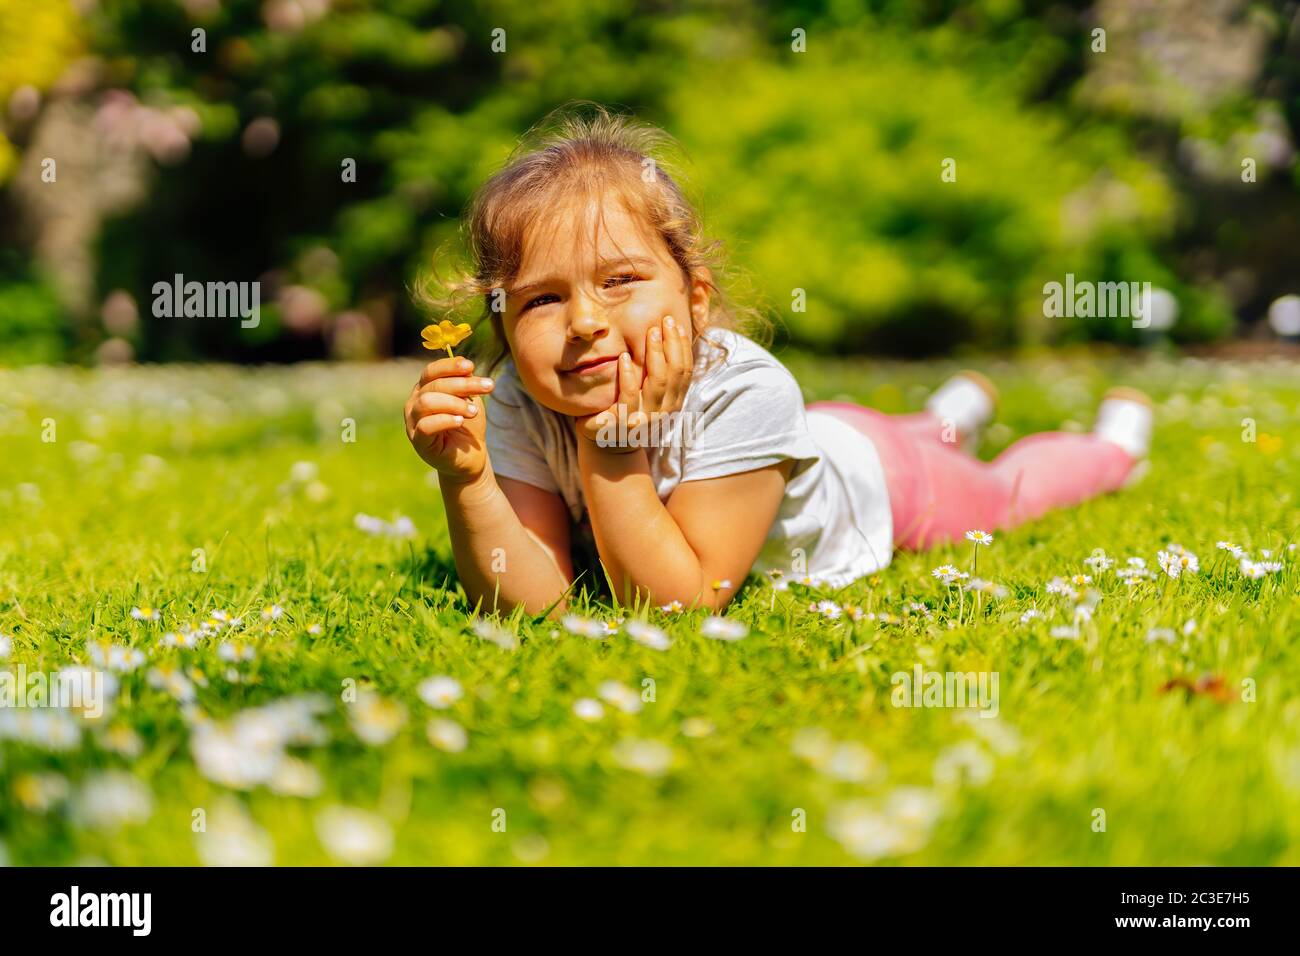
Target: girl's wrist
(468, 488)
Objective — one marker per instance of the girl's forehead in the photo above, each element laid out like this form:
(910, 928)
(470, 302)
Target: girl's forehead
(590, 231)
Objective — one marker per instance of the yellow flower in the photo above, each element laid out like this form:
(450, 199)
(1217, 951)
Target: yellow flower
(444, 335)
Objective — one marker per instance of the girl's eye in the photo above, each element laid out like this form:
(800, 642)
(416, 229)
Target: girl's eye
(540, 300)
(621, 280)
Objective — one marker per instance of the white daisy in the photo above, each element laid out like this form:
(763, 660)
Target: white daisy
(355, 836)
(111, 799)
(619, 695)
(447, 735)
(232, 838)
(965, 762)
(376, 719)
(723, 628)
(122, 740)
(296, 778)
(1252, 570)
(979, 537)
(948, 574)
(828, 609)
(870, 834)
(234, 653)
(146, 614)
(1177, 560)
(440, 692)
(187, 637)
(588, 708)
(171, 681)
(585, 627)
(1099, 562)
(40, 792)
(851, 762)
(697, 727)
(650, 757)
(114, 657)
(496, 634)
(652, 637)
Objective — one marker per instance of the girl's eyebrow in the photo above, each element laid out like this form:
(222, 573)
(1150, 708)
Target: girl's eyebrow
(602, 265)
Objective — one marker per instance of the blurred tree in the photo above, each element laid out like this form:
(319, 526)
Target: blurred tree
(327, 147)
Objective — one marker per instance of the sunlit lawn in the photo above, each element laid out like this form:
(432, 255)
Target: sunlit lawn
(182, 489)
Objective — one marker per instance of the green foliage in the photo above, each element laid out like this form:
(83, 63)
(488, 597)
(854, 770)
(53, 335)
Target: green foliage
(821, 167)
(31, 319)
(834, 182)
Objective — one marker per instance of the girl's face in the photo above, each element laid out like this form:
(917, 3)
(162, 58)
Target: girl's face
(574, 305)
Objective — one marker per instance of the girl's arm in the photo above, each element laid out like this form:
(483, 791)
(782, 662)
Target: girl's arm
(510, 541)
(711, 530)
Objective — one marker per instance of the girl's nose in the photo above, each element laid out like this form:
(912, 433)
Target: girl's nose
(586, 318)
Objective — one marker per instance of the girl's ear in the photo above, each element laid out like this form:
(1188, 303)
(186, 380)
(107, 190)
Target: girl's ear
(701, 285)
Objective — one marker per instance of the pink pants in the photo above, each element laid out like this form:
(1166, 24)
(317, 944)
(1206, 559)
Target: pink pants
(937, 492)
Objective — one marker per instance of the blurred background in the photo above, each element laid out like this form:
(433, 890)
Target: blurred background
(1122, 140)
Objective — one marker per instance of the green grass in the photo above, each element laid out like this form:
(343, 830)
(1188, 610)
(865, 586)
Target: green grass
(150, 464)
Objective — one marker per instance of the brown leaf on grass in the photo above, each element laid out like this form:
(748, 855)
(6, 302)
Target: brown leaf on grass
(1214, 686)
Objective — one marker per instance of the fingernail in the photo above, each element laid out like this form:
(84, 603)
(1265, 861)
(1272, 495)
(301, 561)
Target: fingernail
(472, 410)
(460, 420)
(463, 363)
(485, 382)
(668, 321)
(654, 334)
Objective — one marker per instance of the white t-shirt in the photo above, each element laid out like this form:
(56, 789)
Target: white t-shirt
(743, 413)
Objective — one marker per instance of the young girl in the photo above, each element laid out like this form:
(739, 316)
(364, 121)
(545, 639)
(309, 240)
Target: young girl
(631, 422)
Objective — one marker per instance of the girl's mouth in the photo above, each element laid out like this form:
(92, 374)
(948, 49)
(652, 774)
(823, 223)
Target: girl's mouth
(593, 366)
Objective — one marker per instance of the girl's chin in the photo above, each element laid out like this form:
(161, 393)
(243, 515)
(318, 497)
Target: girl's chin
(592, 403)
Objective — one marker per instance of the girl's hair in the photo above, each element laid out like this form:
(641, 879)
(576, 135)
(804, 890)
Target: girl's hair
(579, 153)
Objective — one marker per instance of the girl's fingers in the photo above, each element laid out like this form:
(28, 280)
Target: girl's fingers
(431, 403)
(672, 344)
(657, 368)
(433, 424)
(459, 386)
(629, 389)
(688, 358)
(445, 367)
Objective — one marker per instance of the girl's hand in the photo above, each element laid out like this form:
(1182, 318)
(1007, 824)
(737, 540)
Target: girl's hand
(445, 425)
(670, 360)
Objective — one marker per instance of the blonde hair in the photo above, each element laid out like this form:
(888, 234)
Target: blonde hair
(579, 152)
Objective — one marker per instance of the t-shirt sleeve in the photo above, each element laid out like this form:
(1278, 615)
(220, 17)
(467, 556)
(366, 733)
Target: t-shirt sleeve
(514, 439)
(752, 416)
